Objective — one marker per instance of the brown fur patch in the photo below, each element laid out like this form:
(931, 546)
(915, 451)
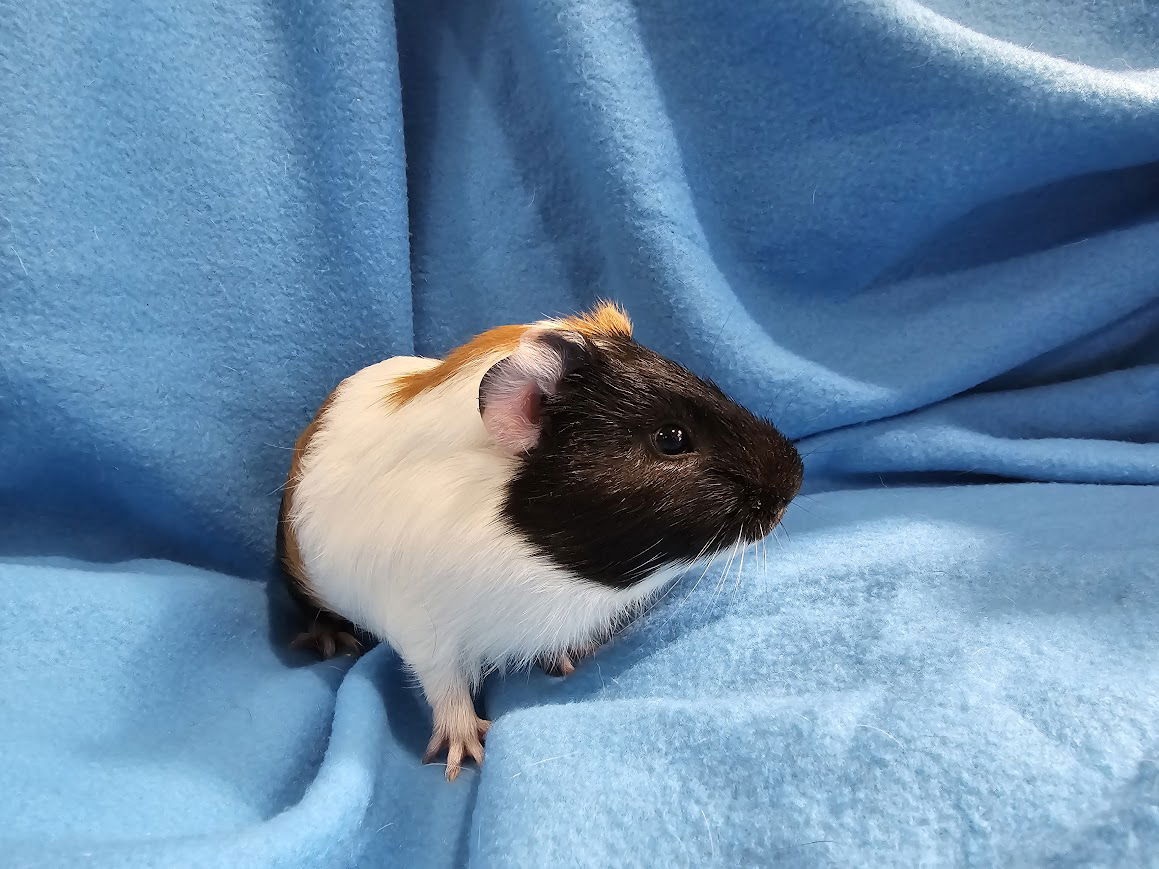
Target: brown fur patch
(288, 552)
(605, 320)
(502, 339)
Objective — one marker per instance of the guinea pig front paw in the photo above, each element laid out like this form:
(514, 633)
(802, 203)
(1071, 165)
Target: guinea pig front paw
(460, 737)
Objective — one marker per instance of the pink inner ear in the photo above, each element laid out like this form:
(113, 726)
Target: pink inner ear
(532, 409)
(511, 392)
(512, 419)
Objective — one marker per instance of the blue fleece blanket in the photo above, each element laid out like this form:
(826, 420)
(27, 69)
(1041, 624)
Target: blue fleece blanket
(923, 238)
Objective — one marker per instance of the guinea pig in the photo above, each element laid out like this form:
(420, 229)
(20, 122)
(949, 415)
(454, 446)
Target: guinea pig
(515, 502)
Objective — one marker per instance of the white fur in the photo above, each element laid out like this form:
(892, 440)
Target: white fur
(397, 518)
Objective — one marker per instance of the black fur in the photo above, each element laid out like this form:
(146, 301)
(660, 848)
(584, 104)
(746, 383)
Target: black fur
(597, 497)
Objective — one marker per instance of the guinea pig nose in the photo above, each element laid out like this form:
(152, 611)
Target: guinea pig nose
(763, 502)
(766, 504)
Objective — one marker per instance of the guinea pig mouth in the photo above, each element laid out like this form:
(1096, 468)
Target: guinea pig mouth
(761, 522)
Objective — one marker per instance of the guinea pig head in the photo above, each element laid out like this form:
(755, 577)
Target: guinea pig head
(625, 461)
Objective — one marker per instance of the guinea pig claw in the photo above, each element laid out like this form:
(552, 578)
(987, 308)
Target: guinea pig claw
(458, 746)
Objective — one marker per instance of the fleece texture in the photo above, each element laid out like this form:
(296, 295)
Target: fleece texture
(923, 238)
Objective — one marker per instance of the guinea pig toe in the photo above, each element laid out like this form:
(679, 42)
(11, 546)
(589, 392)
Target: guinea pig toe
(564, 663)
(434, 748)
(561, 665)
(349, 642)
(458, 747)
(305, 640)
(328, 642)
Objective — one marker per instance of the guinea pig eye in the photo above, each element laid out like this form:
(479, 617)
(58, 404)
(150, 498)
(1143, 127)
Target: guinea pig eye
(672, 440)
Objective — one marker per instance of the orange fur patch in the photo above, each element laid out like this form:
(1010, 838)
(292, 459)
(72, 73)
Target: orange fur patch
(288, 552)
(605, 320)
(503, 339)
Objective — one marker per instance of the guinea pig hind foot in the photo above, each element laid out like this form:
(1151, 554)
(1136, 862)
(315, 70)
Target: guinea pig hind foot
(564, 663)
(560, 666)
(328, 640)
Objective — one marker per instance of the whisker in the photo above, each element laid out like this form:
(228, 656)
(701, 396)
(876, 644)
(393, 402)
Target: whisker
(765, 565)
(724, 571)
(813, 501)
(792, 401)
(796, 568)
(724, 575)
(815, 417)
(821, 452)
(696, 585)
(739, 570)
(720, 334)
(740, 548)
(704, 549)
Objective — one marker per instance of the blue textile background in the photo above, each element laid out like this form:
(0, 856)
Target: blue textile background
(923, 238)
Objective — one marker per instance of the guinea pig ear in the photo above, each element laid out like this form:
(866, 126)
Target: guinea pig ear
(512, 391)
